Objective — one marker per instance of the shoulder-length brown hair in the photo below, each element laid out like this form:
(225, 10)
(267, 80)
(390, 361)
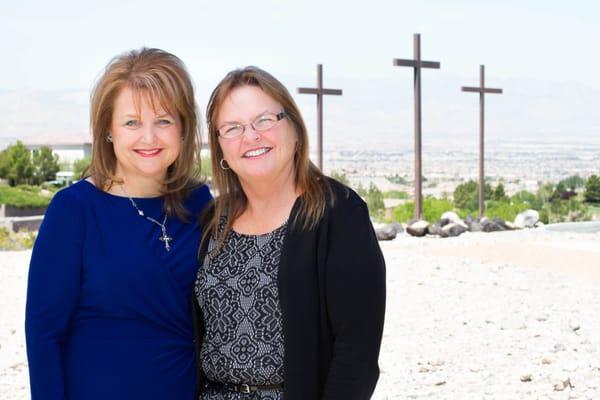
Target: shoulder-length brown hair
(231, 199)
(163, 78)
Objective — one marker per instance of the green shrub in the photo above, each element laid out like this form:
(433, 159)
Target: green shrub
(529, 198)
(23, 196)
(16, 241)
(592, 189)
(507, 210)
(432, 210)
(340, 177)
(395, 194)
(466, 195)
(374, 201)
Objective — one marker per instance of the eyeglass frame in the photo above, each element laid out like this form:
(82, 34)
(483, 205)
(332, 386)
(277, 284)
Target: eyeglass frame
(279, 116)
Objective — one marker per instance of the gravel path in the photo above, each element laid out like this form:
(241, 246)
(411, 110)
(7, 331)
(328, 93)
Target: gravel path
(457, 327)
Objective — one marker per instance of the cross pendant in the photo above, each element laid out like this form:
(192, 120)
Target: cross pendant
(166, 238)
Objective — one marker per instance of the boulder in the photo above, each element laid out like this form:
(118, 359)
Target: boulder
(475, 227)
(500, 223)
(451, 216)
(490, 226)
(418, 228)
(527, 219)
(436, 229)
(510, 225)
(453, 229)
(388, 231)
(398, 226)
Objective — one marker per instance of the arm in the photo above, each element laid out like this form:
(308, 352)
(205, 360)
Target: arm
(356, 304)
(52, 294)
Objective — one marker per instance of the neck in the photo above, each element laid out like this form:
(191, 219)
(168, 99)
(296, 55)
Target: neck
(138, 186)
(266, 196)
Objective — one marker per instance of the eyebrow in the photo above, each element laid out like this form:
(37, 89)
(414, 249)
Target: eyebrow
(158, 116)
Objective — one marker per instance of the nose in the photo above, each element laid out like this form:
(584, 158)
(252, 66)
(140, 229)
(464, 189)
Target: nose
(149, 134)
(250, 132)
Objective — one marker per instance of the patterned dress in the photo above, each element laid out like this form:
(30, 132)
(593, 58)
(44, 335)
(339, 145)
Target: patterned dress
(237, 291)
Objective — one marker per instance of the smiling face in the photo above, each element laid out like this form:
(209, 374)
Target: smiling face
(146, 141)
(256, 156)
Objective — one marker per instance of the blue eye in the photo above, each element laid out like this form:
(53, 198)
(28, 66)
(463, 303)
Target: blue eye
(132, 123)
(164, 122)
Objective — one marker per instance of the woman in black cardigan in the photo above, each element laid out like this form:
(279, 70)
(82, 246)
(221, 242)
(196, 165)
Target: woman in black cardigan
(290, 296)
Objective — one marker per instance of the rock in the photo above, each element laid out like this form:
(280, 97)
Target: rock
(436, 229)
(510, 226)
(451, 216)
(440, 383)
(386, 232)
(398, 226)
(423, 370)
(490, 226)
(418, 228)
(453, 229)
(500, 223)
(527, 219)
(575, 216)
(436, 363)
(574, 326)
(546, 361)
(559, 347)
(562, 384)
(526, 378)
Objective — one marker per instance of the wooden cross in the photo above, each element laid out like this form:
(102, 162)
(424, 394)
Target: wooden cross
(482, 90)
(320, 92)
(417, 64)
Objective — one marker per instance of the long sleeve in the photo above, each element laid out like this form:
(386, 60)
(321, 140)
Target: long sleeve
(355, 292)
(52, 294)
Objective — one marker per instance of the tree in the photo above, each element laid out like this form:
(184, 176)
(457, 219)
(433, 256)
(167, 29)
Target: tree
(558, 191)
(360, 189)
(340, 177)
(18, 162)
(573, 182)
(592, 189)
(466, 195)
(4, 166)
(45, 165)
(79, 167)
(374, 199)
(498, 193)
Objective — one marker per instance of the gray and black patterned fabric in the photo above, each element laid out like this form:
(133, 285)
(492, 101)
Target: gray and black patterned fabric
(237, 292)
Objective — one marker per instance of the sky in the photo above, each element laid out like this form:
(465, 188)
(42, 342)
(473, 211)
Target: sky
(542, 53)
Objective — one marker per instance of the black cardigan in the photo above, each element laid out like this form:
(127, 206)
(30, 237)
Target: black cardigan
(332, 294)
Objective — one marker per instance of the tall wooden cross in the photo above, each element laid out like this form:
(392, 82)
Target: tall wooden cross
(482, 90)
(320, 92)
(417, 64)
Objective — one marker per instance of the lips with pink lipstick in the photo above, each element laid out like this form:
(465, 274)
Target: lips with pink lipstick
(256, 152)
(148, 152)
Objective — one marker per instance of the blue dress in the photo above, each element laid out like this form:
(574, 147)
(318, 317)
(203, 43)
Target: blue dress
(108, 308)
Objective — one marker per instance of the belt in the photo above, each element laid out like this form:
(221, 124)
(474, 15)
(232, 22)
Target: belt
(245, 388)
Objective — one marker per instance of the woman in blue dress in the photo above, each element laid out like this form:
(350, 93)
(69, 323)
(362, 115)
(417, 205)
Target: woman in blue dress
(108, 311)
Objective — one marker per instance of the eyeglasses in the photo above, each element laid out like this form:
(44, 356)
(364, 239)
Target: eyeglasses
(263, 123)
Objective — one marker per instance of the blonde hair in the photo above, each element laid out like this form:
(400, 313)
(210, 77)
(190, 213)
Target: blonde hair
(309, 180)
(164, 80)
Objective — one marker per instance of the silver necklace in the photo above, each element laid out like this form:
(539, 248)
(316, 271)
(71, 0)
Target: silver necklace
(164, 237)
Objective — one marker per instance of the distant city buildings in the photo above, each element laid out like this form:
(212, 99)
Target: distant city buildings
(67, 152)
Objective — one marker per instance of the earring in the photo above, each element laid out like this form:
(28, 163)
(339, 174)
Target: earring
(221, 164)
(109, 137)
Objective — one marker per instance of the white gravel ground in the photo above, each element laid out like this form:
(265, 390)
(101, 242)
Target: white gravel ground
(463, 321)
